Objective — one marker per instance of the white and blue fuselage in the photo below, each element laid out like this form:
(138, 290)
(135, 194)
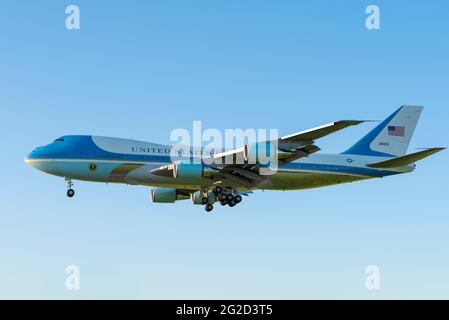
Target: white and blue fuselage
(116, 160)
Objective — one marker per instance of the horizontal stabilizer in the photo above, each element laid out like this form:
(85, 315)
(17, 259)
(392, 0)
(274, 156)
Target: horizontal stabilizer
(405, 160)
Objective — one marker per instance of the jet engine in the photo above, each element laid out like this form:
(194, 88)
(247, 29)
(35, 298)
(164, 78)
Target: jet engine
(190, 170)
(166, 195)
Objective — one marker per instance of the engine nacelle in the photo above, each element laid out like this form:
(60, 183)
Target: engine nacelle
(261, 152)
(198, 199)
(166, 195)
(190, 170)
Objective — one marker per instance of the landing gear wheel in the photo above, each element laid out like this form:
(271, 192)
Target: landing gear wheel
(209, 207)
(222, 197)
(229, 197)
(238, 198)
(205, 200)
(218, 190)
(223, 203)
(232, 203)
(70, 193)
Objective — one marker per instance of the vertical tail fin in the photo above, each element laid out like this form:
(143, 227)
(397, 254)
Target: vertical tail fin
(391, 137)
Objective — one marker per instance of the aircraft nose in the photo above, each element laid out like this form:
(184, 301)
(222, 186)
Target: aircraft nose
(40, 159)
(31, 159)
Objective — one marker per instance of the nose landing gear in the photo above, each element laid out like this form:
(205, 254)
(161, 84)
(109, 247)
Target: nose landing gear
(70, 191)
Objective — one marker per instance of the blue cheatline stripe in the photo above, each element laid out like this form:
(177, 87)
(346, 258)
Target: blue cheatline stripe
(325, 168)
(339, 169)
(362, 147)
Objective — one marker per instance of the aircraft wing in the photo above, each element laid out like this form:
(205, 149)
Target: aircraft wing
(291, 148)
(294, 146)
(233, 165)
(319, 132)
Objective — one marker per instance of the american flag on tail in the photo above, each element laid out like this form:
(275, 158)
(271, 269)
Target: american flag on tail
(396, 131)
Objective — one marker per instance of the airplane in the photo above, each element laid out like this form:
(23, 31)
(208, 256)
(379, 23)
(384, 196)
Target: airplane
(380, 153)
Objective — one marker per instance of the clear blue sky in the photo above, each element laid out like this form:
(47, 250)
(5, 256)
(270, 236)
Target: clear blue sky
(140, 69)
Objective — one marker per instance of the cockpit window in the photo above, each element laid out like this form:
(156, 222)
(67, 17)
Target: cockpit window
(59, 140)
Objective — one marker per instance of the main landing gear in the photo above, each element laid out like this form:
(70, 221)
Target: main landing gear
(224, 195)
(70, 191)
(209, 207)
(227, 196)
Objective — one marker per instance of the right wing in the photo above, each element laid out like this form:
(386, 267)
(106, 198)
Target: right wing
(318, 132)
(292, 146)
(233, 165)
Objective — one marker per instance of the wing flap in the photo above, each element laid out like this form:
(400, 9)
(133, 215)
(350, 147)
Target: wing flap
(305, 151)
